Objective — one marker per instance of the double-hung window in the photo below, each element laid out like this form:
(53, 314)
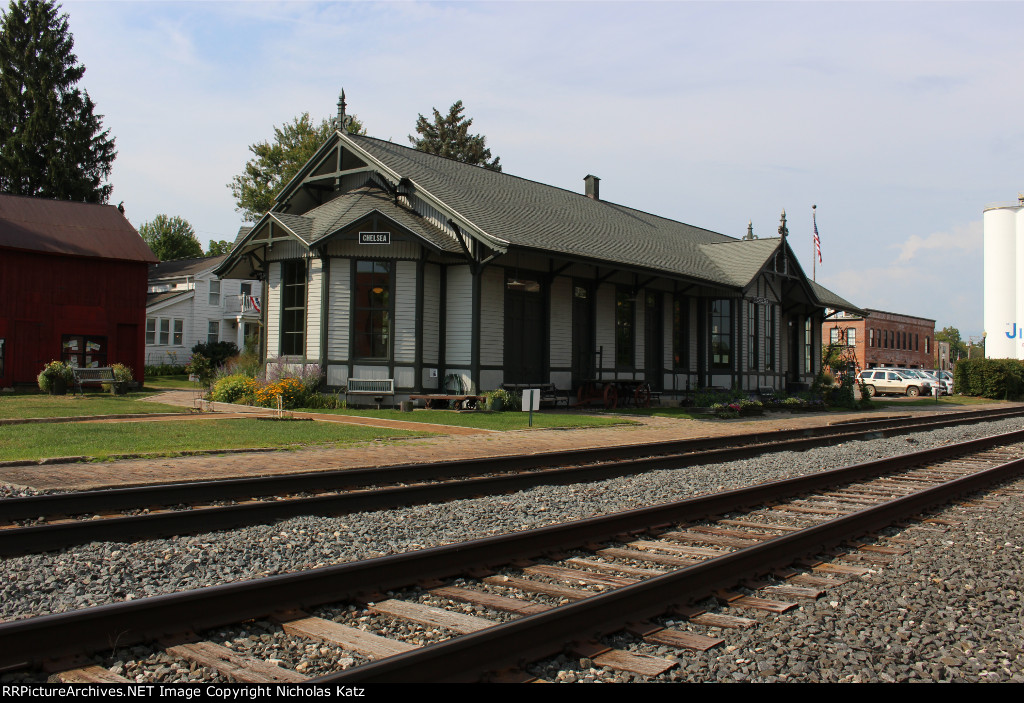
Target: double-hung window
(721, 334)
(293, 307)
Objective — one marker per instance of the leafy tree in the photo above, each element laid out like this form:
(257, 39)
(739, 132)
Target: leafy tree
(277, 162)
(449, 136)
(52, 144)
(217, 248)
(957, 348)
(171, 238)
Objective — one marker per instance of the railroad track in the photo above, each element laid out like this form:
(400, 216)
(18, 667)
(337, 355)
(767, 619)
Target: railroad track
(50, 522)
(539, 590)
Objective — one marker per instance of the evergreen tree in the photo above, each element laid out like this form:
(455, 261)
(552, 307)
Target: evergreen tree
(52, 144)
(449, 136)
(277, 162)
(171, 238)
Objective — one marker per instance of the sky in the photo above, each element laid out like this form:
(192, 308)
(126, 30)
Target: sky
(900, 121)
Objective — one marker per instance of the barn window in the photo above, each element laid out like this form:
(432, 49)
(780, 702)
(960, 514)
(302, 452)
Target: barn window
(83, 352)
(373, 310)
(293, 307)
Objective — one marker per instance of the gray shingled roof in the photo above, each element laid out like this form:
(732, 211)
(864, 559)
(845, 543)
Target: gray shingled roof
(527, 214)
(530, 214)
(350, 207)
(183, 267)
(156, 298)
(739, 260)
(830, 299)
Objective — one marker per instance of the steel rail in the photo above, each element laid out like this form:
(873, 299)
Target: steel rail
(533, 637)
(40, 538)
(24, 642)
(106, 500)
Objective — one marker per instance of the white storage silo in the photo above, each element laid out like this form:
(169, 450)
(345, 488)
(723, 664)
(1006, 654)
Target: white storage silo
(1003, 257)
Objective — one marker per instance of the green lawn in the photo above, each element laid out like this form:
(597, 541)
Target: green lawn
(40, 405)
(676, 413)
(37, 441)
(484, 420)
(164, 383)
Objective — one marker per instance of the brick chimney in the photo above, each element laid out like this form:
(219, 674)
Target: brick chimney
(593, 187)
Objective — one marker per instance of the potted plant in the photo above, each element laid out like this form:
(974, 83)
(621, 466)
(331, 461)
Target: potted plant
(497, 400)
(55, 378)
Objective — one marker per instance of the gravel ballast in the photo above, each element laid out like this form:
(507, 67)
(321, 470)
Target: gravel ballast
(95, 574)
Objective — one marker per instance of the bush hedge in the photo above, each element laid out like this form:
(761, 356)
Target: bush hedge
(1000, 379)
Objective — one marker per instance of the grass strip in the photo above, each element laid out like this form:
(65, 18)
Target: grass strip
(20, 406)
(101, 440)
(483, 420)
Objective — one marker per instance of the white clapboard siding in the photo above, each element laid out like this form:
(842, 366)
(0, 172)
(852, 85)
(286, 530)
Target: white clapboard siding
(339, 309)
(492, 317)
(274, 310)
(561, 322)
(459, 315)
(405, 312)
(314, 306)
(431, 312)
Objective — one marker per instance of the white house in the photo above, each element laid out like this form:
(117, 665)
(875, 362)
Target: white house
(187, 304)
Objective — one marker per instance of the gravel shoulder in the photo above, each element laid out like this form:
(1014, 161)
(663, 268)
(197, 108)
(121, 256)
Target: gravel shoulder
(985, 554)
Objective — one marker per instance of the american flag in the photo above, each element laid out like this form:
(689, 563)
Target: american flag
(817, 241)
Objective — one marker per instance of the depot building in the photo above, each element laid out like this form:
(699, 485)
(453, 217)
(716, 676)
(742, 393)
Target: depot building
(383, 262)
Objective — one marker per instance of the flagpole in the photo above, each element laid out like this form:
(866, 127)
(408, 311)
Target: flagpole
(815, 243)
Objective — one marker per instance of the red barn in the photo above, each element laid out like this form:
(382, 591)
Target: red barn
(72, 287)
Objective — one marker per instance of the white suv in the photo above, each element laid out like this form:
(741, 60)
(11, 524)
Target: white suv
(898, 381)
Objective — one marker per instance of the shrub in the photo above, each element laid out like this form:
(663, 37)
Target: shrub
(232, 389)
(55, 371)
(201, 367)
(990, 378)
(164, 369)
(725, 411)
(216, 352)
(330, 401)
(292, 391)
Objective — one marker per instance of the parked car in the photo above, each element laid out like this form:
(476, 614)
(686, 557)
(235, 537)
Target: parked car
(945, 385)
(894, 381)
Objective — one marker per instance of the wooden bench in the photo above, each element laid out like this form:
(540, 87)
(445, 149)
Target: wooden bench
(549, 393)
(377, 387)
(442, 401)
(96, 376)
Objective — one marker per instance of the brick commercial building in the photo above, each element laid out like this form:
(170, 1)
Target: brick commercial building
(883, 339)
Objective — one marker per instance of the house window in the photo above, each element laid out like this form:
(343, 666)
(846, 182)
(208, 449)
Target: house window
(926, 346)
(83, 352)
(625, 315)
(769, 337)
(752, 335)
(215, 294)
(871, 337)
(293, 307)
(681, 332)
(808, 346)
(833, 337)
(721, 334)
(213, 332)
(163, 331)
(373, 310)
(851, 337)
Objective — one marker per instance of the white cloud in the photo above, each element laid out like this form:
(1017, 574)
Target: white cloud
(959, 238)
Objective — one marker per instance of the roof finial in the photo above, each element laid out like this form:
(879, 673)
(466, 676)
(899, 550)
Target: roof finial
(750, 230)
(783, 230)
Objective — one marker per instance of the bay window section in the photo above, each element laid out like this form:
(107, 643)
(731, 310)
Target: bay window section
(373, 310)
(293, 307)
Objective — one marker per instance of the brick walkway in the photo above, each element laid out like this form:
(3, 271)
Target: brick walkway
(478, 444)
